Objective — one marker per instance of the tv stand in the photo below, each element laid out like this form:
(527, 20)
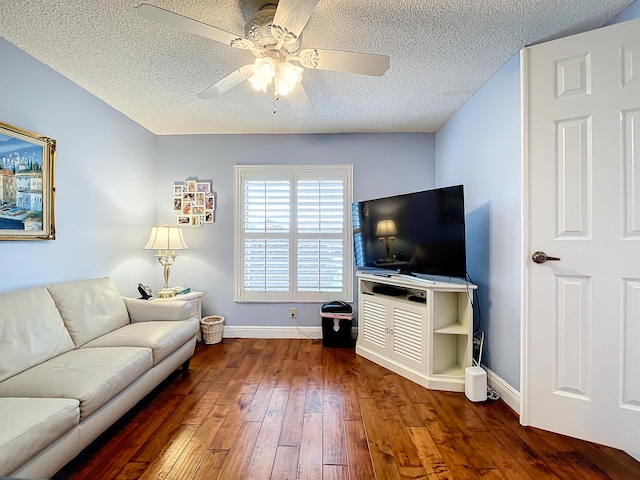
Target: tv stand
(427, 342)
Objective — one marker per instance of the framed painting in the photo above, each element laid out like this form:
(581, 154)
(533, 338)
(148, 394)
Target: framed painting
(27, 189)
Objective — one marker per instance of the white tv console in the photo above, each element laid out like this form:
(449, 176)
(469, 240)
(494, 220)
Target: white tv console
(429, 343)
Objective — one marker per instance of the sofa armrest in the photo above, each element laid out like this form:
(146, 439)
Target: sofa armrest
(148, 310)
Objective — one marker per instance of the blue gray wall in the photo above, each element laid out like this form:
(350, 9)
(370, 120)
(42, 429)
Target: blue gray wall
(482, 141)
(104, 180)
(629, 13)
(383, 164)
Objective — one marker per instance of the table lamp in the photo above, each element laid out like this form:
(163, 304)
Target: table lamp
(166, 239)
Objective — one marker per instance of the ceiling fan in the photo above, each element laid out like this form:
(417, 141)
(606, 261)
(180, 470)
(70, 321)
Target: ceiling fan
(274, 36)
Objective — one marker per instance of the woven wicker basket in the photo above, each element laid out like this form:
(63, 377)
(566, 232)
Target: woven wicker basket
(212, 329)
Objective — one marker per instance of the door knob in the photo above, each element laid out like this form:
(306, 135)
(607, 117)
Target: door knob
(541, 257)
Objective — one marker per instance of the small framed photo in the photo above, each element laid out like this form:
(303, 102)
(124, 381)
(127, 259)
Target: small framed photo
(208, 217)
(200, 198)
(210, 202)
(191, 185)
(177, 204)
(186, 208)
(204, 187)
(178, 189)
(188, 197)
(184, 220)
(197, 210)
(27, 189)
(195, 221)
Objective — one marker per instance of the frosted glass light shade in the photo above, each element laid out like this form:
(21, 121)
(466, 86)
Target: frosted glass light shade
(267, 70)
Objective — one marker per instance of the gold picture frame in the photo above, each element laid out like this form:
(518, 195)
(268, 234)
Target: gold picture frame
(27, 188)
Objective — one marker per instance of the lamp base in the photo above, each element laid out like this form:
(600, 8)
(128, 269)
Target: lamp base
(166, 293)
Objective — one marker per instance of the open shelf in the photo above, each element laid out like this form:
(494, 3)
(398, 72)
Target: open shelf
(454, 329)
(455, 371)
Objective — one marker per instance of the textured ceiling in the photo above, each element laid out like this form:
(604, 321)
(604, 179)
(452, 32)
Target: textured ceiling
(442, 52)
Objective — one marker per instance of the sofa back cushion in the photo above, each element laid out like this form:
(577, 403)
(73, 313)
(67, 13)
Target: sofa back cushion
(89, 308)
(31, 331)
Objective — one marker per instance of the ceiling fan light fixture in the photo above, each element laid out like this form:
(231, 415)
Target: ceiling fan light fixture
(261, 32)
(267, 70)
(258, 84)
(282, 88)
(264, 70)
(288, 75)
(291, 73)
(275, 46)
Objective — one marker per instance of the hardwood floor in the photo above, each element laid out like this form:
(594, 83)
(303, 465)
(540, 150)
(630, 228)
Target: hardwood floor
(280, 409)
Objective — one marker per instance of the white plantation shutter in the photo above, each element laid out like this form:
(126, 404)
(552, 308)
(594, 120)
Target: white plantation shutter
(320, 206)
(266, 266)
(267, 209)
(293, 233)
(267, 206)
(320, 225)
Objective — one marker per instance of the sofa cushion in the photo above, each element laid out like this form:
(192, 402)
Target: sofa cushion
(91, 375)
(163, 338)
(31, 330)
(29, 425)
(148, 311)
(89, 308)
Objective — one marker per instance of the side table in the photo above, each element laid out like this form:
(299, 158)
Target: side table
(195, 298)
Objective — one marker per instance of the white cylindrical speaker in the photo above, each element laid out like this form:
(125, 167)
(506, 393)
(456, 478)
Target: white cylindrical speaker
(475, 384)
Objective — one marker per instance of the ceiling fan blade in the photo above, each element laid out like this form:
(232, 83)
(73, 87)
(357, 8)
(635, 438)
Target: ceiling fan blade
(352, 62)
(293, 15)
(299, 102)
(185, 24)
(227, 83)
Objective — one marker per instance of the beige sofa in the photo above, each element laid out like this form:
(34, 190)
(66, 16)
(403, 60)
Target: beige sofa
(75, 357)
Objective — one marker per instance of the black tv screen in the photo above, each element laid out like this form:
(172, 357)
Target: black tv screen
(415, 233)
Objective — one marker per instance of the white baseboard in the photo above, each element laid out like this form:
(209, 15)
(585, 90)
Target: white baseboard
(275, 332)
(507, 393)
(271, 332)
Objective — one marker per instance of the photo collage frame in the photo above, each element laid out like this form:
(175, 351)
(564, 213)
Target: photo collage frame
(194, 202)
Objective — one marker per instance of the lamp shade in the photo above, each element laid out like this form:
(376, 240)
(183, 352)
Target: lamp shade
(166, 238)
(386, 228)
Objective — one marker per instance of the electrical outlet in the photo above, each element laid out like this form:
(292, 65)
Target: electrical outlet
(292, 313)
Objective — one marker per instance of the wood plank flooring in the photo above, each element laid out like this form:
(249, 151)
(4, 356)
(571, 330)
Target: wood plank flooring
(291, 409)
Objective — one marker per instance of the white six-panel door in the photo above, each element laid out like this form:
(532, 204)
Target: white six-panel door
(581, 330)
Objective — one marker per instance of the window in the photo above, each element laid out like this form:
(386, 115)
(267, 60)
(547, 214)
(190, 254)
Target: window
(293, 233)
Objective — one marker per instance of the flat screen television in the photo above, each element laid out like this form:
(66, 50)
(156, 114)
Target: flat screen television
(415, 233)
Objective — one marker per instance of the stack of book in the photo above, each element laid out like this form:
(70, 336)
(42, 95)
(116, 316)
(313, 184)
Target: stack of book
(181, 290)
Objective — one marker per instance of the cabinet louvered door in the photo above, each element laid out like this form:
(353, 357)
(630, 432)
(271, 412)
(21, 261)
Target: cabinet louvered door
(407, 335)
(373, 321)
